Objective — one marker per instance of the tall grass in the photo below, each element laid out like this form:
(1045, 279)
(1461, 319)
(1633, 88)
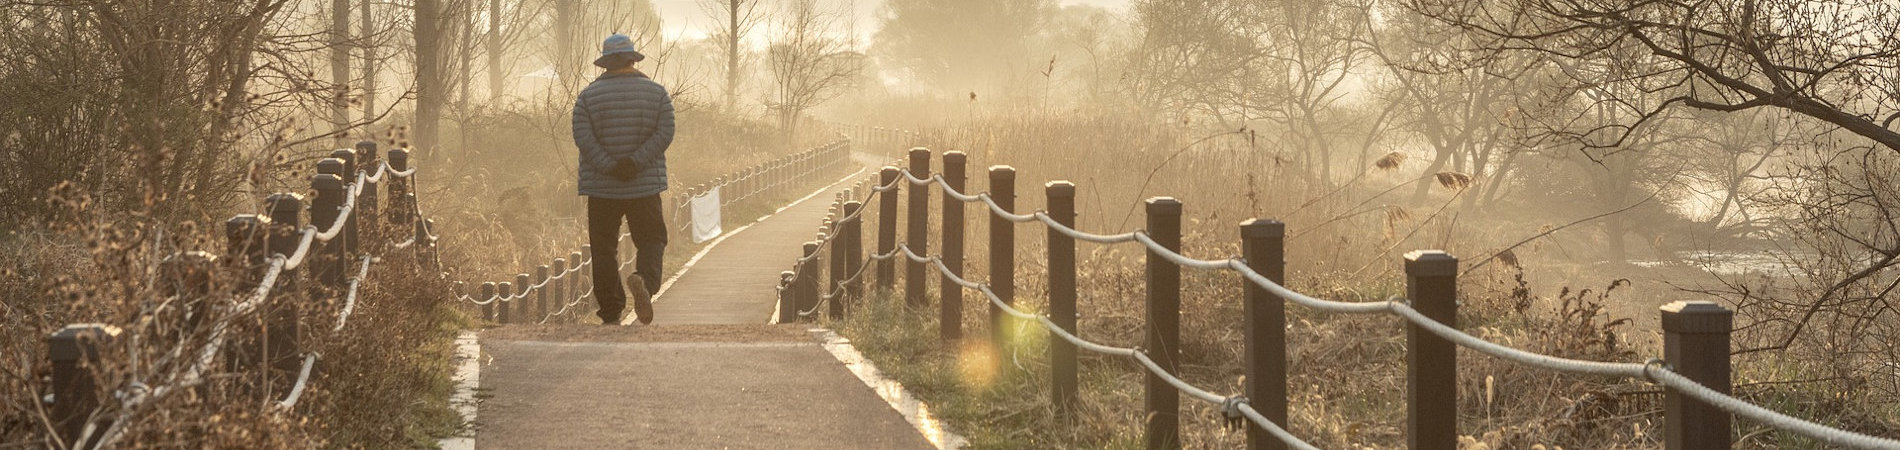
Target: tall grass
(512, 204)
(503, 204)
(1346, 372)
(380, 382)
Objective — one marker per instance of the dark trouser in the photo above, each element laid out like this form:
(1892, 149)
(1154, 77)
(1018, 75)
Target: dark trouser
(603, 233)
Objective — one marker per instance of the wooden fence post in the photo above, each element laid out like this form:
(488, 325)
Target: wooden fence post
(1696, 345)
(1002, 258)
(574, 286)
(1062, 370)
(350, 230)
(488, 294)
(74, 351)
(247, 239)
(1263, 245)
(917, 239)
(187, 276)
(503, 309)
(747, 182)
(523, 312)
(348, 157)
(1164, 325)
(837, 271)
(588, 250)
(1431, 362)
(735, 187)
(400, 211)
(326, 210)
(853, 251)
(558, 282)
(369, 160)
(425, 242)
(887, 227)
(808, 278)
(949, 294)
(286, 232)
(787, 297)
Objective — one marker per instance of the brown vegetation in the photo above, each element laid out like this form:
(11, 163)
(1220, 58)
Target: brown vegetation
(1347, 374)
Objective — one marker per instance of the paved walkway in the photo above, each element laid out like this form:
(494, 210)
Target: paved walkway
(737, 280)
(677, 386)
(709, 373)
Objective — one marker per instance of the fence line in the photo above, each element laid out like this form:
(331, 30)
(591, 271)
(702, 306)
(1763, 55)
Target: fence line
(268, 248)
(496, 298)
(1697, 413)
(265, 249)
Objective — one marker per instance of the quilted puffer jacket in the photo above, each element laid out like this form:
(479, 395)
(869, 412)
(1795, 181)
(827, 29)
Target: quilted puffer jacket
(623, 115)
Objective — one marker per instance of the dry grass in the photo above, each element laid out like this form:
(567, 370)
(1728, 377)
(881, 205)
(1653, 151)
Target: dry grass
(1344, 243)
(382, 381)
(507, 212)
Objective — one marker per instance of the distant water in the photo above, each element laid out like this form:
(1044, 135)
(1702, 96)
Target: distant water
(1731, 263)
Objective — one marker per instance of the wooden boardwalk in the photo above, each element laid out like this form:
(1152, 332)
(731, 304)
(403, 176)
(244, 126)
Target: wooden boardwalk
(709, 373)
(736, 281)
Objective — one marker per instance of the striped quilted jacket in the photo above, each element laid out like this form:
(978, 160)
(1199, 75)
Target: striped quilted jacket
(623, 115)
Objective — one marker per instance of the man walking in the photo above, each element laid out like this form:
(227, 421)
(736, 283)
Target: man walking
(623, 122)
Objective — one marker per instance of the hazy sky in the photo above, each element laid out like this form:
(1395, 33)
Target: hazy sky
(684, 18)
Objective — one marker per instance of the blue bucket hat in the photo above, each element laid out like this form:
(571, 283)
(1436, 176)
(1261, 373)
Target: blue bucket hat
(617, 51)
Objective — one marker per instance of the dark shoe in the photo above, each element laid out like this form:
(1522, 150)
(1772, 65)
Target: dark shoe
(609, 318)
(642, 298)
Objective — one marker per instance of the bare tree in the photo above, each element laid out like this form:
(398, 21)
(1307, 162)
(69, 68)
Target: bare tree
(809, 67)
(368, 40)
(432, 88)
(340, 65)
(735, 19)
(577, 32)
(567, 51)
(963, 45)
(1729, 157)
(508, 23)
(1289, 64)
(1462, 103)
(491, 47)
(1827, 67)
(1829, 61)
(1194, 59)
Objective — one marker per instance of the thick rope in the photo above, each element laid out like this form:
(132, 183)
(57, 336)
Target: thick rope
(1650, 372)
(349, 304)
(998, 211)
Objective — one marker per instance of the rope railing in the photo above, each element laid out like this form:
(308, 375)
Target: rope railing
(265, 249)
(507, 301)
(798, 292)
(840, 216)
(561, 278)
(342, 318)
(770, 176)
(1686, 375)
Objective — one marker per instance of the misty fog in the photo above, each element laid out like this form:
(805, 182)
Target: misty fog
(1587, 162)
